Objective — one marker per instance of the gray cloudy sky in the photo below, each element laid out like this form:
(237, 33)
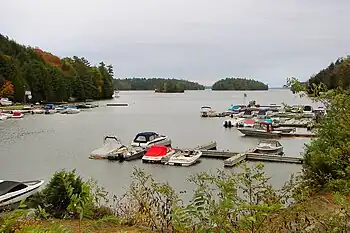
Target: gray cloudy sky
(201, 40)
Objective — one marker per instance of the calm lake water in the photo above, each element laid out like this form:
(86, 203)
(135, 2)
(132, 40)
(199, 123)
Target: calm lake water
(38, 145)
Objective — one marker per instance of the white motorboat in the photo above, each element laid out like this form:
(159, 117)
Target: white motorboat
(5, 102)
(207, 111)
(147, 139)
(308, 111)
(155, 154)
(269, 147)
(116, 94)
(72, 110)
(38, 111)
(184, 158)
(13, 192)
(112, 147)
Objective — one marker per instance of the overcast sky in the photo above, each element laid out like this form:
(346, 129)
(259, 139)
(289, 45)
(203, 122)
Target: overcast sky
(200, 40)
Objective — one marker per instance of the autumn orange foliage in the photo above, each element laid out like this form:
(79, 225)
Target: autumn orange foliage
(7, 90)
(49, 58)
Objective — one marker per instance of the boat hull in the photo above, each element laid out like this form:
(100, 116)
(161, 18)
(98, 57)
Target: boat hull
(10, 199)
(258, 133)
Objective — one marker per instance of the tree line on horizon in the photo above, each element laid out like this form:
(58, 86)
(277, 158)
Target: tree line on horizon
(48, 77)
(159, 84)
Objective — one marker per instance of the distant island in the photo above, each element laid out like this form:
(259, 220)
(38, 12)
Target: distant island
(161, 85)
(48, 77)
(238, 84)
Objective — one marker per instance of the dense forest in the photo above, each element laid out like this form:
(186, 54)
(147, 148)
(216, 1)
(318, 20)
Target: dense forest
(159, 84)
(48, 77)
(239, 84)
(336, 74)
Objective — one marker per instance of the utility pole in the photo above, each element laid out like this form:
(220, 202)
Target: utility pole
(24, 97)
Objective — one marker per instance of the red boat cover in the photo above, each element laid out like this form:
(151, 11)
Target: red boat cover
(16, 114)
(249, 122)
(157, 151)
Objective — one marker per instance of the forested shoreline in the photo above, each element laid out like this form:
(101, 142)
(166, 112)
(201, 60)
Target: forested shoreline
(158, 84)
(48, 77)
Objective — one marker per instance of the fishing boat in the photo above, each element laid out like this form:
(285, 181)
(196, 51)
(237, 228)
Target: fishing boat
(13, 192)
(147, 139)
(155, 154)
(207, 111)
(112, 147)
(269, 147)
(184, 158)
(264, 129)
(5, 102)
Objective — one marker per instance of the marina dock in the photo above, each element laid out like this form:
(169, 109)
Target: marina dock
(233, 158)
(301, 135)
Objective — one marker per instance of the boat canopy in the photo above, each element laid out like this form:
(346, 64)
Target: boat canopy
(145, 137)
(157, 150)
(234, 107)
(11, 186)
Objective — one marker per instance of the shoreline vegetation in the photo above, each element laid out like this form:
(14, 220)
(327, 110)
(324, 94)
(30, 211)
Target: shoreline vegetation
(160, 85)
(48, 77)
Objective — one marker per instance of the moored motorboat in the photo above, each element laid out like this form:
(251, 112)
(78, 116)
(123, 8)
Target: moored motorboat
(13, 192)
(5, 102)
(184, 158)
(112, 147)
(147, 139)
(207, 111)
(72, 110)
(264, 130)
(269, 147)
(155, 154)
(3, 117)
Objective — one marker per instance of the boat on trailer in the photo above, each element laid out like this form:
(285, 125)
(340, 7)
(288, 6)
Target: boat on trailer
(155, 154)
(147, 139)
(184, 158)
(13, 192)
(112, 147)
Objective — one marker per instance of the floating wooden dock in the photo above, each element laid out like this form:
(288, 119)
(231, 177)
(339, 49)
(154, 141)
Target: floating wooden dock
(233, 158)
(301, 135)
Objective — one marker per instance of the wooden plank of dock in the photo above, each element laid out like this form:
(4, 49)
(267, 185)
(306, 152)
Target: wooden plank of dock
(215, 154)
(273, 158)
(294, 134)
(234, 160)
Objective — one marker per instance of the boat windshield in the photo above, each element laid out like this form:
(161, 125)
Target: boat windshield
(140, 138)
(11, 186)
